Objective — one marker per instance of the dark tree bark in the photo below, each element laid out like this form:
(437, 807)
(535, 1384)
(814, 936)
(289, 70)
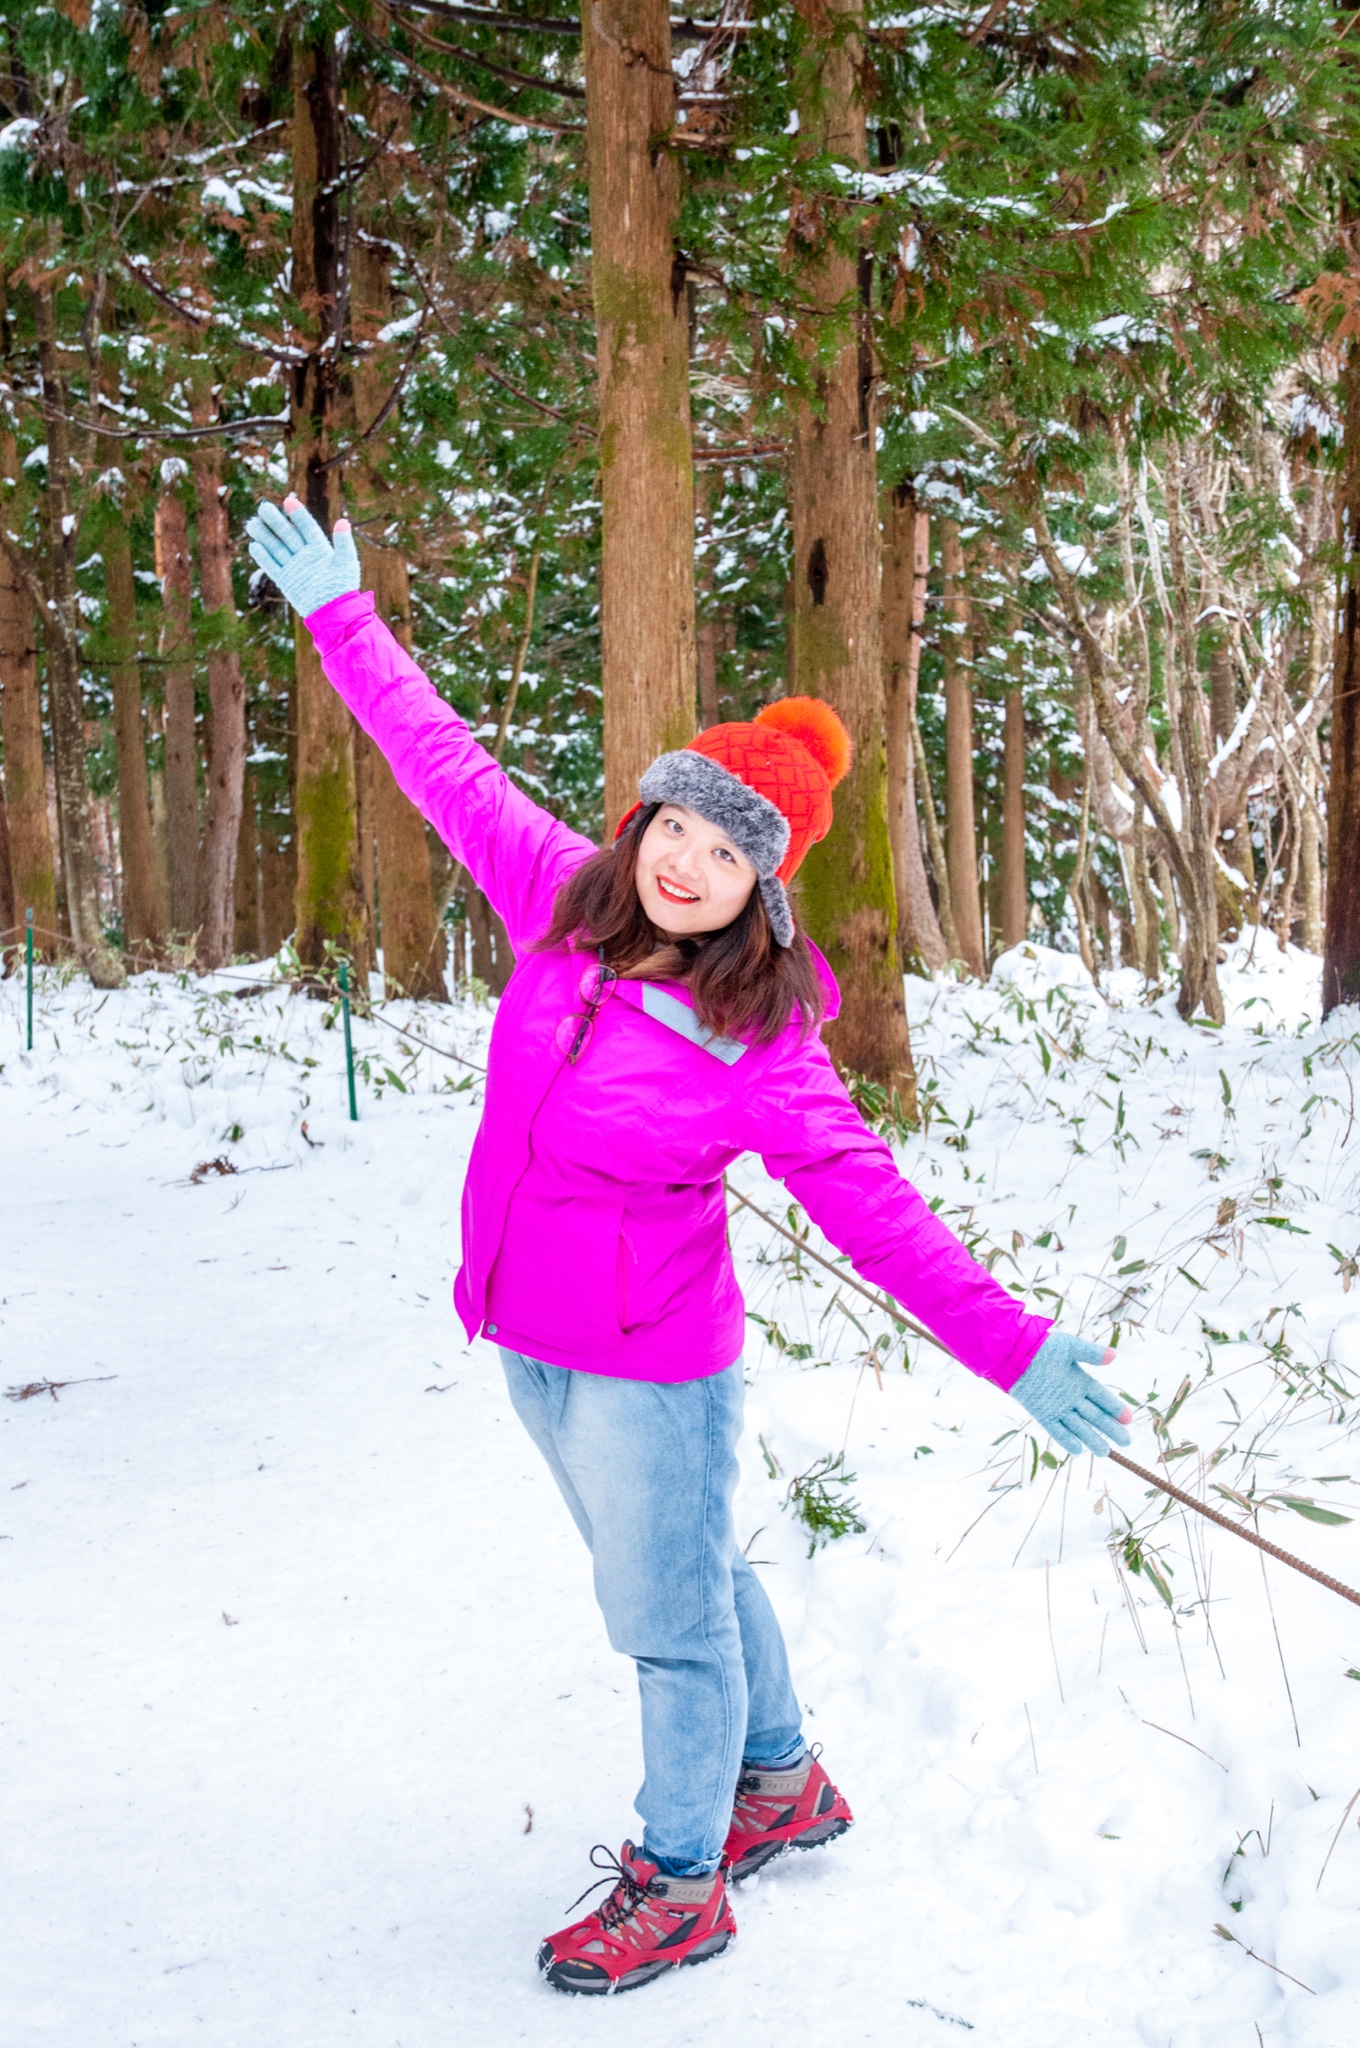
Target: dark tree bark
(1014, 903)
(227, 700)
(246, 940)
(708, 638)
(960, 815)
(492, 958)
(847, 896)
(60, 615)
(1341, 945)
(276, 730)
(412, 932)
(906, 560)
(412, 935)
(30, 838)
(181, 739)
(642, 347)
(9, 913)
(364, 755)
(143, 912)
(1222, 694)
(329, 902)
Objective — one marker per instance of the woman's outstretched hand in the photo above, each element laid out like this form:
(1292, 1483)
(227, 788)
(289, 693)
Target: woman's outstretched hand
(295, 554)
(1078, 1413)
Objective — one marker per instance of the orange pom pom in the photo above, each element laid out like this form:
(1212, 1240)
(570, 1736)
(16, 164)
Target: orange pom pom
(814, 723)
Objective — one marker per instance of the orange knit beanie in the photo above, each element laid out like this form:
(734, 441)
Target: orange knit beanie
(766, 783)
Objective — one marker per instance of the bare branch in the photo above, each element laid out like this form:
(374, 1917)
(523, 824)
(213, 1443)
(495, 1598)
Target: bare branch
(1130, 760)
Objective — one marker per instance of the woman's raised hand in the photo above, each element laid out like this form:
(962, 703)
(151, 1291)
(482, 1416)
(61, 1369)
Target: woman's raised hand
(295, 554)
(1078, 1413)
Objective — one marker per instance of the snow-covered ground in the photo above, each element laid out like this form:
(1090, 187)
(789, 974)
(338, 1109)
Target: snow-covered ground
(307, 1719)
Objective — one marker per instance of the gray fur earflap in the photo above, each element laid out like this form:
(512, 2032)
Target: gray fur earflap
(777, 909)
(752, 823)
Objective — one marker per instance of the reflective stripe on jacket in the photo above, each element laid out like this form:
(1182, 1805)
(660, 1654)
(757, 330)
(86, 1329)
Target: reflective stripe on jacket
(594, 1223)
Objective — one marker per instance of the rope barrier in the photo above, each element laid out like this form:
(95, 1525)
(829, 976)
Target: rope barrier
(283, 983)
(1188, 1500)
(16, 931)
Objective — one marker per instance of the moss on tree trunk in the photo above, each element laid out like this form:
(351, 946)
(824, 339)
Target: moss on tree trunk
(848, 900)
(328, 903)
(143, 911)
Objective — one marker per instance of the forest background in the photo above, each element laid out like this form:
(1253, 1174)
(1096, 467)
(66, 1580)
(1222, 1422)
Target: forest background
(990, 371)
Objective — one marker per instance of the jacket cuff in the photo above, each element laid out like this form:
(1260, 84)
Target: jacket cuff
(1008, 1376)
(333, 622)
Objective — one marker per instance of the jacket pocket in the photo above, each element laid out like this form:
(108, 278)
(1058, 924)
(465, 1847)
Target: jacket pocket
(623, 1281)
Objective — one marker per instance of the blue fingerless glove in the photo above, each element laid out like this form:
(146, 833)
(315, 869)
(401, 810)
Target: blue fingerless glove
(1078, 1413)
(295, 554)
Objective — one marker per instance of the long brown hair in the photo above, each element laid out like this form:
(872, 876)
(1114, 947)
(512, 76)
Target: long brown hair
(743, 985)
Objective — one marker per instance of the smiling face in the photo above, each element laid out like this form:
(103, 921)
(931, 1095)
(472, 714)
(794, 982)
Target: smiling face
(690, 877)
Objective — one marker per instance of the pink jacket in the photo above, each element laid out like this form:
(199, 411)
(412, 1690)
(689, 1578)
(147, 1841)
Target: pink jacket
(594, 1221)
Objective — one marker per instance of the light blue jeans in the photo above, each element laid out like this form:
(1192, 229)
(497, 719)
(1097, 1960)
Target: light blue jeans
(648, 1473)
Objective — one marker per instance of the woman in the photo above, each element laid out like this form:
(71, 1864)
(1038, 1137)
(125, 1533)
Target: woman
(660, 1022)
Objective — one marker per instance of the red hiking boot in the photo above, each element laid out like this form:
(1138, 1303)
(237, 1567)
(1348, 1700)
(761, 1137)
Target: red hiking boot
(778, 1810)
(648, 1924)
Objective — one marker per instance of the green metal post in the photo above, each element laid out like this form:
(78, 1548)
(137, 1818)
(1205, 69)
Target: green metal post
(349, 1044)
(28, 962)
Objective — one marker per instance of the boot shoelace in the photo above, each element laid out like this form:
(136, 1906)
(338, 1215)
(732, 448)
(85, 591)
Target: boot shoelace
(627, 1894)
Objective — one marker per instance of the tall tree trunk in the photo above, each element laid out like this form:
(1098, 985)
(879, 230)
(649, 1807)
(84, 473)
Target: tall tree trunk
(1341, 950)
(329, 903)
(30, 837)
(960, 816)
(1147, 917)
(1199, 961)
(835, 628)
(275, 730)
(1311, 850)
(707, 638)
(364, 755)
(181, 741)
(642, 349)
(1014, 895)
(1282, 910)
(9, 910)
(412, 935)
(492, 957)
(906, 557)
(227, 699)
(155, 779)
(143, 931)
(61, 632)
(245, 936)
(278, 884)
